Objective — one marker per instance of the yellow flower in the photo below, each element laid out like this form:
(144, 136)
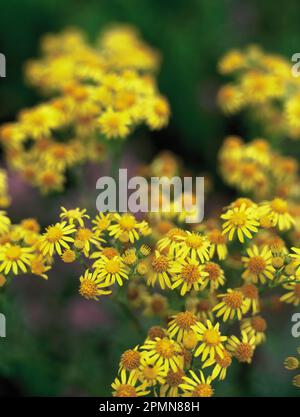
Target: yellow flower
(56, 237)
(128, 386)
(211, 340)
(242, 349)
(157, 113)
(291, 363)
(164, 352)
(278, 211)
(38, 266)
(84, 238)
(215, 277)
(125, 224)
(130, 360)
(188, 274)
(181, 324)
(259, 265)
(195, 386)
(112, 270)
(172, 383)
(74, 215)
(193, 245)
(221, 362)
(150, 373)
(102, 222)
(92, 286)
(161, 266)
(217, 244)
(293, 294)
(232, 304)
(251, 296)
(68, 256)
(170, 241)
(14, 257)
(296, 256)
(114, 124)
(255, 326)
(4, 223)
(240, 220)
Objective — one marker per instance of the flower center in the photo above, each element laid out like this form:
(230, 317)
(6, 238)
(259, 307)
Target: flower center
(225, 361)
(127, 222)
(185, 320)
(297, 290)
(234, 299)
(259, 324)
(13, 253)
(213, 270)
(174, 378)
(190, 273)
(125, 390)
(110, 252)
(54, 234)
(88, 289)
(216, 237)
(194, 241)
(84, 234)
(165, 348)
(256, 264)
(149, 372)
(239, 218)
(250, 291)
(279, 206)
(160, 264)
(211, 337)
(113, 266)
(244, 352)
(203, 390)
(130, 359)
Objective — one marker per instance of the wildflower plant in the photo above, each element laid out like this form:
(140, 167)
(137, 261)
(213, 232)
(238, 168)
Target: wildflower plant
(204, 284)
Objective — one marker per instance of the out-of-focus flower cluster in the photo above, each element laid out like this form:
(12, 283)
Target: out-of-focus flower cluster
(254, 168)
(292, 363)
(98, 94)
(264, 84)
(5, 199)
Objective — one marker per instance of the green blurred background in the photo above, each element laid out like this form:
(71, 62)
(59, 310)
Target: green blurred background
(57, 347)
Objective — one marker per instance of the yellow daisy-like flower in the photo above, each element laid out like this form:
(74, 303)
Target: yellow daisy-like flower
(102, 222)
(125, 224)
(251, 295)
(194, 245)
(296, 257)
(232, 304)
(195, 386)
(259, 265)
(170, 241)
(150, 373)
(161, 266)
(256, 326)
(164, 352)
(240, 220)
(217, 244)
(128, 386)
(215, 277)
(114, 124)
(74, 215)
(84, 238)
(242, 349)
(293, 294)
(92, 286)
(181, 325)
(56, 237)
(112, 270)
(221, 362)
(278, 211)
(130, 360)
(211, 340)
(4, 223)
(15, 258)
(188, 274)
(38, 266)
(172, 383)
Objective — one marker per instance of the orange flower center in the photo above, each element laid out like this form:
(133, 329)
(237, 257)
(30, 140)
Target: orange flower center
(234, 299)
(256, 264)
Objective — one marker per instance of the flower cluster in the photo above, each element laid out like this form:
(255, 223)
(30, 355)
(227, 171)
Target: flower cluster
(256, 169)
(292, 363)
(265, 84)
(98, 94)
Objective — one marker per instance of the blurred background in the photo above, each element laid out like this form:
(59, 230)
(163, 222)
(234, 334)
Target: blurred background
(58, 343)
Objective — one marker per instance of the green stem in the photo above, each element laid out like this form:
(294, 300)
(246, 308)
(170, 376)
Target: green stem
(133, 319)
